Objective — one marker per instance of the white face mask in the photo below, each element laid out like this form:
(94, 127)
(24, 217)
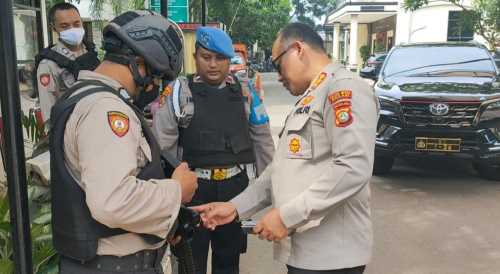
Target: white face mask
(73, 36)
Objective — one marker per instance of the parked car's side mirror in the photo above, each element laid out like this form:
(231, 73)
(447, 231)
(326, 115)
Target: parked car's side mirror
(369, 73)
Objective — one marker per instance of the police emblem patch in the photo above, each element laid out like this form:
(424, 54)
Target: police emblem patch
(294, 145)
(45, 79)
(119, 123)
(341, 103)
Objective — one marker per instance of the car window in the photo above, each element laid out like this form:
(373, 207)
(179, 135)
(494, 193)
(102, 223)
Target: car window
(381, 58)
(411, 60)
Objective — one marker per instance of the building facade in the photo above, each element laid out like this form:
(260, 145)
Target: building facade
(380, 25)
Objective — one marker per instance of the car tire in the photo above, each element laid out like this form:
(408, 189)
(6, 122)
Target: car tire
(489, 172)
(382, 165)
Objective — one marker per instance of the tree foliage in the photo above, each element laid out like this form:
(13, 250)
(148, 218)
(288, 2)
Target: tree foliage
(483, 16)
(306, 11)
(247, 21)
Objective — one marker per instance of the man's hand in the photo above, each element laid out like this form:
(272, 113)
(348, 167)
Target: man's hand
(271, 227)
(188, 181)
(216, 214)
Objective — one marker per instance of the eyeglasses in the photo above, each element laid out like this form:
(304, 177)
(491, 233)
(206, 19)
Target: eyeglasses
(276, 64)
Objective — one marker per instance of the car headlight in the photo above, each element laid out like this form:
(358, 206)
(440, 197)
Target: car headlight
(384, 85)
(491, 113)
(389, 106)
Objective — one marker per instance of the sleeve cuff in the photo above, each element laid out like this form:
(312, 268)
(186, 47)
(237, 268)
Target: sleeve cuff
(292, 214)
(242, 206)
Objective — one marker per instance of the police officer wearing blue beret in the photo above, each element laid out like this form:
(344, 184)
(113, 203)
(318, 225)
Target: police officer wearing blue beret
(204, 120)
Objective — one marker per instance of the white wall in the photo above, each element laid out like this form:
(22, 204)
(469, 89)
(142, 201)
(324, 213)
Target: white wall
(428, 24)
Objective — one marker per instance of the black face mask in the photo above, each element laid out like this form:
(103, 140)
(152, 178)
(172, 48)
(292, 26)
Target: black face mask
(146, 97)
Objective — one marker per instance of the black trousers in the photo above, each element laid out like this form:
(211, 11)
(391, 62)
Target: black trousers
(228, 241)
(355, 270)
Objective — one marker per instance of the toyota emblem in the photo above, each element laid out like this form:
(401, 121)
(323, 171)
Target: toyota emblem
(439, 109)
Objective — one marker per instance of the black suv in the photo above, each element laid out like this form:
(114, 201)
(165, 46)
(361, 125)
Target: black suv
(439, 99)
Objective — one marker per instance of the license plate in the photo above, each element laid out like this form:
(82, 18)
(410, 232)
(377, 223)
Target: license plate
(437, 144)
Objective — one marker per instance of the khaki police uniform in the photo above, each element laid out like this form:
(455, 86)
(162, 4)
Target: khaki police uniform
(105, 161)
(53, 80)
(319, 177)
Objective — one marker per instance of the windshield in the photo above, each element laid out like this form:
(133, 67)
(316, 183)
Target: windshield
(237, 60)
(413, 61)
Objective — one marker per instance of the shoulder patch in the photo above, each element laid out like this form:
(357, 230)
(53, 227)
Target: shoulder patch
(118, 122)
(167, 91)
(341, 104)
(340, 95)
(45, 79)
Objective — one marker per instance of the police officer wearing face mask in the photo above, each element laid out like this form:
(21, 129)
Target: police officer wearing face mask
(112, 206)
(205, 120)
(57, 67)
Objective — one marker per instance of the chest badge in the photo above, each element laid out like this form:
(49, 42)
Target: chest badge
(294, 145)
(118, 122)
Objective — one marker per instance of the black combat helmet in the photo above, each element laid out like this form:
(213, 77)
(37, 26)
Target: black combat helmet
(149, 35)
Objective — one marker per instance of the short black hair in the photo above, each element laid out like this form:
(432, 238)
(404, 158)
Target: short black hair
(302, 32)
(60, 6)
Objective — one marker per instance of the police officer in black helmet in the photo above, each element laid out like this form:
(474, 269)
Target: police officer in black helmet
(112, 206)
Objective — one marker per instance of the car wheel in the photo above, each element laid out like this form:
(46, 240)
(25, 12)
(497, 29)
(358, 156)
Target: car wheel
(382, 165)
(489, 172)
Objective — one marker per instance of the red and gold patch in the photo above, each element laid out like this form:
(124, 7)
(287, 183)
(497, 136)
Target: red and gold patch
(294, 145)
(306, 100)
(343, 117)
(318, 80)
(45, 79)
(341, 103)
(167, 91)
(340, 95)
(119, 123)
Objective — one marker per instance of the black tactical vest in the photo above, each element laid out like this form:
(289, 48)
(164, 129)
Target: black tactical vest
(75, 232)
(218, 134)
(87, 61)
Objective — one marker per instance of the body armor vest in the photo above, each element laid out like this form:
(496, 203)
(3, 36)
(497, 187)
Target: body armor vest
(87, 61)
(218, 134)
(75, 232)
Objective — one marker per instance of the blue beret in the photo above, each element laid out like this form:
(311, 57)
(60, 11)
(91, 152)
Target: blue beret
(215, 40)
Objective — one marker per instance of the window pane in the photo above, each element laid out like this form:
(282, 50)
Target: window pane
(458, 29)
(24, 2)
(26, 46)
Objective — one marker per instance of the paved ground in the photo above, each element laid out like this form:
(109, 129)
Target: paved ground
(431, 216)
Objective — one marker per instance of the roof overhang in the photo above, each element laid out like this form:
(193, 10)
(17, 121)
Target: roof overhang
(368, 12)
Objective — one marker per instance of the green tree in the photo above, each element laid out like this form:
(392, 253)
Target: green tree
(247, 21)
(483, 16)
(306, 11)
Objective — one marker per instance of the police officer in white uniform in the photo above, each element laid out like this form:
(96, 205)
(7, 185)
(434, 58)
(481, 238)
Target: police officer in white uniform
(318, 182)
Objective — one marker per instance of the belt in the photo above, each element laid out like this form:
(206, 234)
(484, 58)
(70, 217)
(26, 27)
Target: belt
(217, 174)
(140, 261)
